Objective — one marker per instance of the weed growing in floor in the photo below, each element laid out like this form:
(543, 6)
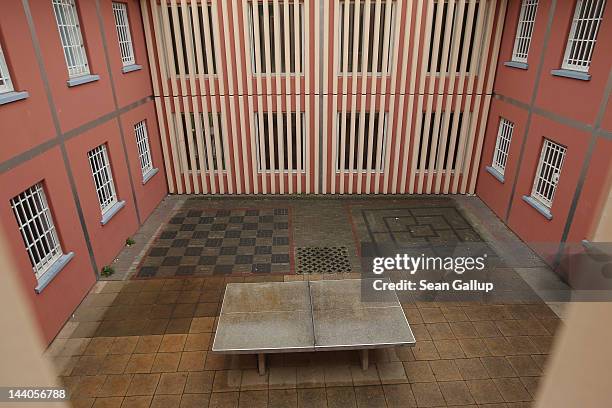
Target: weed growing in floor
(107, 271)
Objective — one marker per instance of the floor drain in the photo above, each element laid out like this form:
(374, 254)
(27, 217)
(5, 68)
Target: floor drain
(322, 260)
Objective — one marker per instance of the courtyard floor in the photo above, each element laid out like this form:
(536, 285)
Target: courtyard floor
(142, 338)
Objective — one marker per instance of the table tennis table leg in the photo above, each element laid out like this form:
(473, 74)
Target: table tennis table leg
(261, 363)
(364, 359)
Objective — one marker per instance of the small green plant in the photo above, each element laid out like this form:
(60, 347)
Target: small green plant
(107, 271)
(129, 241)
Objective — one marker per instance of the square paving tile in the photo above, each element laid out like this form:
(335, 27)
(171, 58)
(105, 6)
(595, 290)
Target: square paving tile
(205, 242)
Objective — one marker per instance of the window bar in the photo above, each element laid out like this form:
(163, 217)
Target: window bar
(288, 70)
(247, 139)
(464, 129)
(207, 68)
(220, 131)
(406, 138)
(429, 104)
(317, 91)
(200, 123)
(233, 119)
(457, 129)
(337, 56)
(172, 112)
(231, 165)
(375, 98)
(278, 65)
(403, 139)
(186, 68)
(395, 71)
(448, 132)
(298, 18)
(362, 94)
(268, 78)
(325, 108)
(354, 70)
(165, 72)
(344, 72)
(437, 146)
(382, 136)
(259, 115)
(307, 76)
(419, 116)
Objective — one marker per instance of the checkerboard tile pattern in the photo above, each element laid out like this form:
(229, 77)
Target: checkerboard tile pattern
(220, 242)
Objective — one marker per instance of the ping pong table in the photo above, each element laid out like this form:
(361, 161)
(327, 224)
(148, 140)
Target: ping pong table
(284, 317)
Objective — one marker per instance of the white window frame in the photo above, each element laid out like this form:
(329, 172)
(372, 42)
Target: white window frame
(381, 168)
(433, 71)
(103, 177)
(218, 164)
(250, 11)
(188, 25)
(583, 33)
(390, 48)
(524, 30)
(144, 149)
(37, 228)
(260, 163)
(6, 84)
(548, 173)
(502, 145)
(122, 24)
(67, 19)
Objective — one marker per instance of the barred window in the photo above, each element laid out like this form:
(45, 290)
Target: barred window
(375, 57)
(37, 228)
(371, 154)
(144, 150)
(583, 34)
(6, 85)
(269, 157)
(548, 172)
(103, 177)
(123, 33)
(71, 37)
(294, 32)
(524, 30)
(442, 157)
(217, 157)
(465, 34)
(502, 145)
(205, 23)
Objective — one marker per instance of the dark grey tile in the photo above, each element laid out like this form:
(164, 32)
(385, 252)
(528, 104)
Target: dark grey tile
(193, 251)
(171, 261)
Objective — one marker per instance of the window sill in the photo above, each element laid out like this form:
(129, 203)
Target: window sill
(53, 271)
(516, 64)
(12, 96)
(538, 207)
(495, 173)
(568, 73)
(131, 68)
(83, 79)
(110, 213)
(149, 175)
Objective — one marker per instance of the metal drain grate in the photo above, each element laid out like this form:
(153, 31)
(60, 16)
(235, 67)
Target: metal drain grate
(322, 260)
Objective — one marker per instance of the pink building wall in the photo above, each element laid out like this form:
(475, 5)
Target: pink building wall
(88, 116)
(572, 112)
